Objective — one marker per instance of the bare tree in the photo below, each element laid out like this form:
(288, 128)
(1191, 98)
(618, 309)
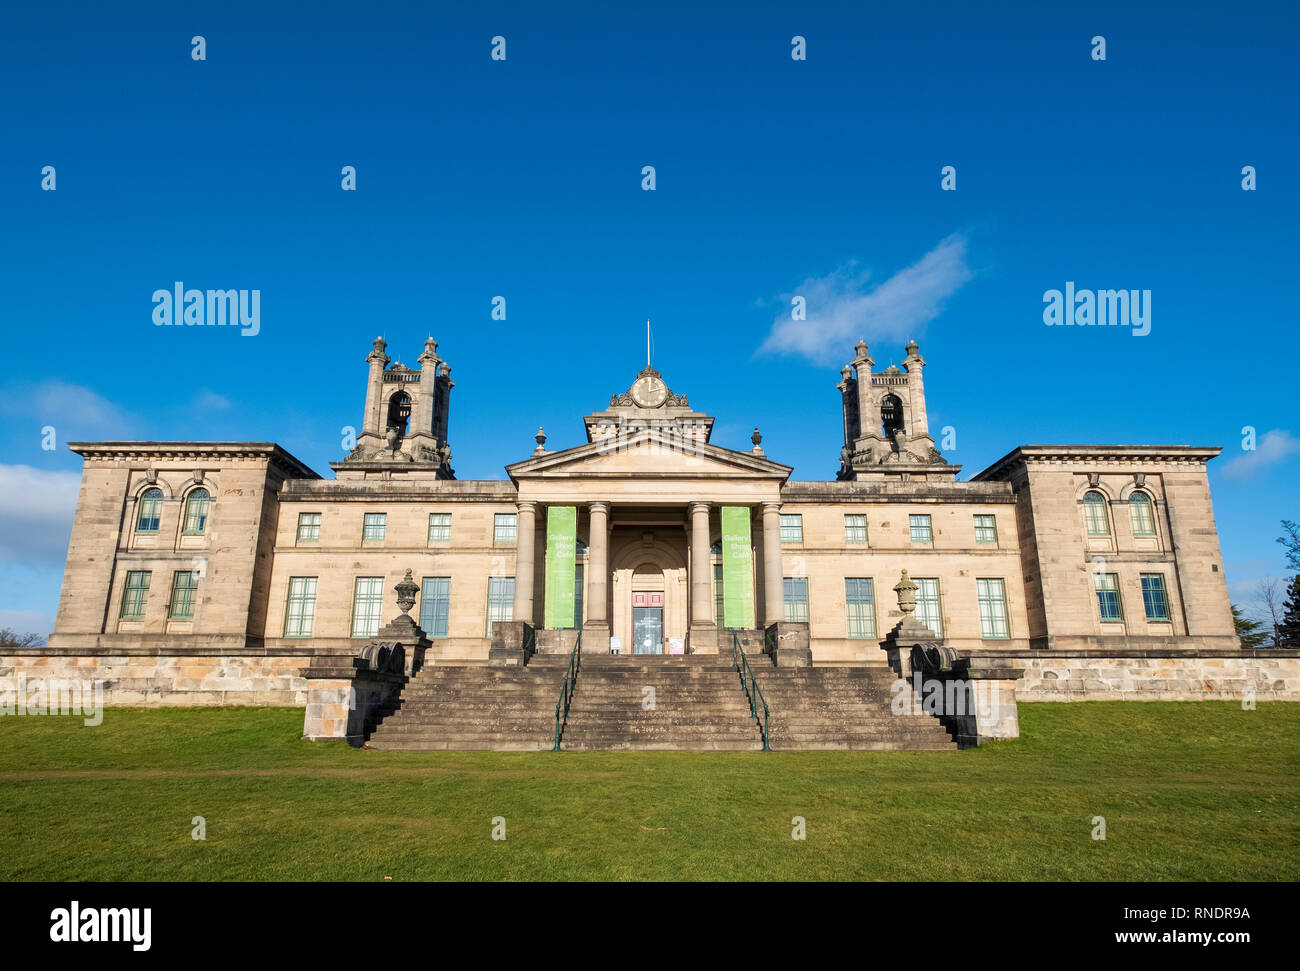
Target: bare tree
(1270, 592)
(11, 638)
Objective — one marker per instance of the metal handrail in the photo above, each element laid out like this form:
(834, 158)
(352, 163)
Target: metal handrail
(566, 689)
(753, 692)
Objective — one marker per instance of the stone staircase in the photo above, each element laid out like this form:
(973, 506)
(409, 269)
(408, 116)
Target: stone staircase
(698, 705)
(842, 708)
(474, 706)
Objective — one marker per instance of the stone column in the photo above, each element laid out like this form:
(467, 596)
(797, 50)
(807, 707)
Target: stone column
(371, 421)
(525, 542)
(701, 581)
(918, 423)
(595, 628)
(773, 587)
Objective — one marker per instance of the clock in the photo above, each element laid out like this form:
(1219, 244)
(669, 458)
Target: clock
(649, 392)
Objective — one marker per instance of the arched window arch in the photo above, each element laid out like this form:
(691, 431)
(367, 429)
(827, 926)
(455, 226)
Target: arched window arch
(1095, 514)
(399, 412)
(149, 513)
(196, 511)
(891, 415)
(579, 548)
(1139, 511)
(715, 548)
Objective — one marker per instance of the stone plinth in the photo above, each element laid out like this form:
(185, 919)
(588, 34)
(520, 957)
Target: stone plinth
(512, 643)
(790, 645)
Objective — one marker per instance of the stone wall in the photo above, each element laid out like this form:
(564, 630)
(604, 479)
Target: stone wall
(1160, 676)
(149, 679)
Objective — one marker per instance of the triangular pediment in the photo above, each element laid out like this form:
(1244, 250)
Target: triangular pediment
(645, 455)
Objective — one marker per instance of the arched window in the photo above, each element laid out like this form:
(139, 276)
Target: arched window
(715, 548)
(196, 511)
(579, 548)
(150, 511)
(1095, 515)
(399, 412)
(891, 415)
(1139, 511)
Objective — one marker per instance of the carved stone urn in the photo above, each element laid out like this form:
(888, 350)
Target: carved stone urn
(906, 591)
(406, 591)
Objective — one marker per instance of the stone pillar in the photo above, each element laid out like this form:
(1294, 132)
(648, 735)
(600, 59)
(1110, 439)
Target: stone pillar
(918, 425)
(868, 415)
(371, 421)
(773, 587)
(701, 582)
(525, 567)
(595, 628)
(421, 429)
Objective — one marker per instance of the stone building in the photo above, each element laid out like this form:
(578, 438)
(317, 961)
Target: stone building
(647, 537)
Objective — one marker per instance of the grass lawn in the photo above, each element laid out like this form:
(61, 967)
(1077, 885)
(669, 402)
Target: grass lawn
(1189, 791)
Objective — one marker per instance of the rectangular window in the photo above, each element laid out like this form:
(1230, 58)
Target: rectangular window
(184, 583)
(860, 602)
(300, 612)
(505, 527)
(1107, 587)
(578, 573)
(1153, 596)
(920, 527)
(796, 599)
(374, 526)
(308, 527)
(986, 529)
(501, 600)
(929, 610)
(367, 602)
(439, 527)
(135, 594)
(791, 528)
(993, 608)
(718, 609)
(435, 605)
(855, 529)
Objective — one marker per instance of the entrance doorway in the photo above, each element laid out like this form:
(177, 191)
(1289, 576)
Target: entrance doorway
(647, 623)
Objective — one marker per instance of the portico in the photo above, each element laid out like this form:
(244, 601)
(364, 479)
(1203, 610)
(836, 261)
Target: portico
(649, 489)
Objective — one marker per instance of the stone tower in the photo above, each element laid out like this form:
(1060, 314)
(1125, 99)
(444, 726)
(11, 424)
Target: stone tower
(404, 428)
(886, 431)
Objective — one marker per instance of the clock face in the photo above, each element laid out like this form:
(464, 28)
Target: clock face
(649, 392)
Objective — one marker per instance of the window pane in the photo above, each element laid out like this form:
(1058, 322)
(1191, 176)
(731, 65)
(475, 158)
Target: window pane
(986, 529)
(855, 529)
(796, 599)
(791, 528)
(135, 594)
(196, 511)
(439, 527)
(859, 600)
(1107, 586)
(718, 610)
(308, 526)
(367, 603)
(184, 583)
(1094, 514)
(1153, 596)
(435, 606)
(300, 612)
(920, 528)
(150, 512)
(993, 608)
(928, 608)
(375, 525)
(501, 600)
(505, 527)
(1139, 507)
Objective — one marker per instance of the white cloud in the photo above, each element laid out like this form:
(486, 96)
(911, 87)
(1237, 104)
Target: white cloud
(842, 308)
(77, 414)
(210, 401)
(36, 510)
(1273, 447)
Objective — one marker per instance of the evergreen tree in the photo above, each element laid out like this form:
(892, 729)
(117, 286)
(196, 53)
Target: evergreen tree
(1289, 629)
(1248, 631)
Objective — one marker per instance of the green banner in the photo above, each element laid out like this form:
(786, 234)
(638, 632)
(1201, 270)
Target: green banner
(561, 550)
(737, 568)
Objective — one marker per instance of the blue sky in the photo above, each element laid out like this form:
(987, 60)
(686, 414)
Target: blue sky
(522, 178)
